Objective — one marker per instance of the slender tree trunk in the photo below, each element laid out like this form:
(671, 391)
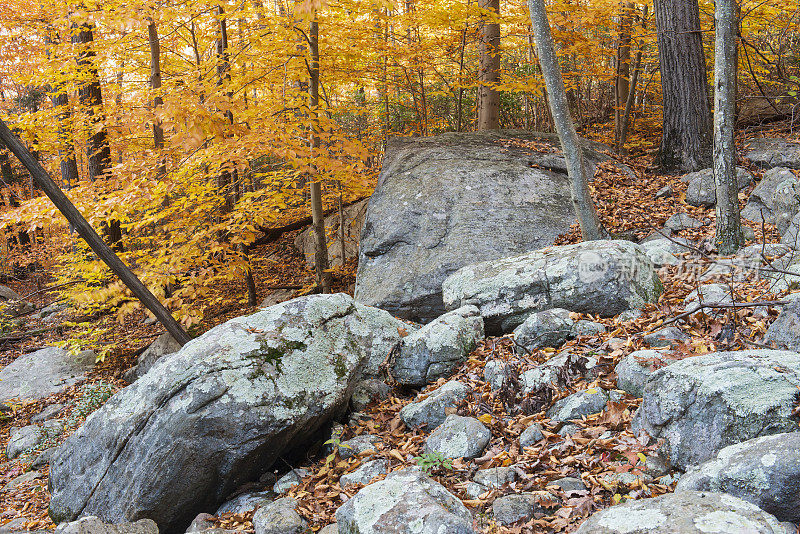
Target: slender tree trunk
(317, 212)
(623, 65)
(66, 144)
(155, 86)
(489, 71)
(591, 228)
(460, 98)
(729, 225)
(687, 132)
(626, 117)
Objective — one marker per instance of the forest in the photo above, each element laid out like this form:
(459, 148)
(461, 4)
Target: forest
(351, 236)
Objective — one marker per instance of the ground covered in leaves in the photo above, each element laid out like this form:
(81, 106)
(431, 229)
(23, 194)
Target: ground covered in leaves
(598, 453)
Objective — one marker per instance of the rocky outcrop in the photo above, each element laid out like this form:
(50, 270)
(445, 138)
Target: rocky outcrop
(764, 471)
(353, 223)
(405, 502)
(437, 349)
(760, 204)
(597, 277)
(218, 413)
(769, 152)
(43, 373)
(448, 201)
(689, 512)
(702, 404)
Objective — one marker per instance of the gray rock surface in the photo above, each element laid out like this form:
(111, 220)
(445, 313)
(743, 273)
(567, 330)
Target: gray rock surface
(634, 369)
(786, 203)
(93, 525)
(368, 391)
(682, 221)
(702, 404)
(431, 410)
(44, 372)
(708, 294)
(6, 293)
(784, 332)
(219, 412)
(569, 484)
(354, 215)
(791, 237)
(358, 445)
(439, 348)
(365, 472)
(22, 439)
(405, 502)
(531, 435)
(49, 412)
(597, 277)
(245, 502)
(764, 471)
(495, 373)
(512, 508)
(769, 152)
(279, 517)
(549, 328)
(669, 336)
(701, 189)
(444, 202)
(290, 480)
(495, 477)
(165, 344)
(578, 405)
(458, 437)
(759, 205)
(687, 512)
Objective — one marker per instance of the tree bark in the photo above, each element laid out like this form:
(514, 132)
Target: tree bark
(626, 117)
(729, 225)
(315, 186)
(623, 84)
(155, 86)
(687, 132)
(489, 71)
(86, 231)
(591, 228)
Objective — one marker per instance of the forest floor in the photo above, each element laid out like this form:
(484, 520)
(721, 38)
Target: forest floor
(626, 204)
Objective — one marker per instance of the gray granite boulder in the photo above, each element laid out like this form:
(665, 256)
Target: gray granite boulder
(444, 202)
(708, 294)
(578, 405)
(290, 480)
(549, 328)
(245, 502)
(496, 372)
(358, 445)
(682, 221)
(495, 477)
(93, 525)
(405, 502)
(31, 436)
(531, 435)
(368, 391)
(784, 332)
(6, 293)
(702, 404)
(44, 372)
(759, 207)
(430, 411)
(669, 336)
(509, 509)
(439, 348)
(458, 437)
(764, 471)
(701, 190)
(165, 344)
(219, 412)
(768, 152)
(634, 369)
(597, 277)
(365, 472)
(279, 517)
(689, 512)
(786, 203)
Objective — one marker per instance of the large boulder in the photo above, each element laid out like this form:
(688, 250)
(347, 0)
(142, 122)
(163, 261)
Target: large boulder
(760, 205)
(701, 190)
(786, 203)
(784, 333)
(447, 201)
(44, 372)
(219, 412)
(688, 512)
(769, 152)
(764, 471)
(93, 525)
(353, 223)
(439, 348)
(597, 277)
(163, 345)
(405, 502)
(701, 404)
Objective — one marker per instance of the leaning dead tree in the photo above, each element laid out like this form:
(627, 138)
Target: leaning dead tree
(85, 230)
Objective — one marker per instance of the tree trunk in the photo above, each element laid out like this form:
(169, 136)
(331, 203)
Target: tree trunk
(729, 225)
(591, 228)
(622, 87)
(317, 213)
(637, 69)
(155, 86)
(489, 71)
(686, 136)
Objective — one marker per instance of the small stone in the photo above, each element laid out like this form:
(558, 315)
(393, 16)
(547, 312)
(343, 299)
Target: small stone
(475, 490)
(569, 484)
(200, 523)
(358, 445)
(365, 473)
(670, 336)
(495, 477)
(279, 517)
(43, 458)
(289, 480)
(245, 502)
(531, 435)
(578, 405)
(588, 328)
(495, 373)
(368, 391)
(30, 476)
(549, 328)
(333, 528)
(22, 440)
(568, 429)
(50, 412)
(512, 508)
(664, 192)
(459, 437)
(629, 315)
(634, 369)
(682, 221)
(431, 411)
